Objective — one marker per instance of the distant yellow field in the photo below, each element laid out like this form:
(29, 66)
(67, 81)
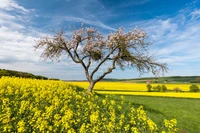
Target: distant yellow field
(129, 86)
(124, 88)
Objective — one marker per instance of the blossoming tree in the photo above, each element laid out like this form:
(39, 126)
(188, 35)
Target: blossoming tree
(88, 47)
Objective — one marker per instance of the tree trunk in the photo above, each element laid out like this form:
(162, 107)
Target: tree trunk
(90, 88)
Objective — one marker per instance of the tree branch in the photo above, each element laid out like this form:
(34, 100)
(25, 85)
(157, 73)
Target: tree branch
(83, 64)
(76, 47)
(84, 57)
(105, 73)
(96, 69)
(89, 62)
(70, 54)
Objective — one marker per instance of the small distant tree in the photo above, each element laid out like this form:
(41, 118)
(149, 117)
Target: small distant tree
(88, 46)
(177, 89)
(159, 88)
(164, 88)
(149, 86)
(194, 88)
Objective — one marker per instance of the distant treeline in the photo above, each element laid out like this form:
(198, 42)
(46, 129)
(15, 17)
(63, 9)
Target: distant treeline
(12, 73)
(196, 80)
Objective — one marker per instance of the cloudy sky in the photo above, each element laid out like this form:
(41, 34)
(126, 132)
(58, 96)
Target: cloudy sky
(173, 26)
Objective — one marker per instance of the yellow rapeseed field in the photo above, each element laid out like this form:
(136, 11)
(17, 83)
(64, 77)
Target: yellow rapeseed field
(113, 86)
(38, 106)
(126, 88)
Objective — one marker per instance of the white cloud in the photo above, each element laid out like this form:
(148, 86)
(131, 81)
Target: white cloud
(5, 16)
(58, 21)
(94, 23)
(11, 5)
(16, 38)
(81, 12)
(131, 3)
(176, 39)
(195, 14)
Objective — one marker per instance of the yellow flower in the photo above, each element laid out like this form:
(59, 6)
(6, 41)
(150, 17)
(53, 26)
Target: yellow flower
(7, 128)
(71, 131)
(24, 106)
(21, 126)
(152, 125)
(110, 126)
(94, 117)
(83, 128)
(104, 102)
(112, 102)
(121, 120)
(171, 125)
(57, 116)
(127, 127)
(68, 114)
(134, 130)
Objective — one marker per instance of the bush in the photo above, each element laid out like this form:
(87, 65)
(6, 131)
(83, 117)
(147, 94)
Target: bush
(164, 88)
(159, 88)
(149, 87)
(194, 88)
(177, 89)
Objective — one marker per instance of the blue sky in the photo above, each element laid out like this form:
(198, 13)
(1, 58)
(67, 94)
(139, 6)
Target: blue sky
(173, 26)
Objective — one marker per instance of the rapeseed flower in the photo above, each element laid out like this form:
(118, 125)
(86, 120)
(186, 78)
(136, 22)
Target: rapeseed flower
(28, 105)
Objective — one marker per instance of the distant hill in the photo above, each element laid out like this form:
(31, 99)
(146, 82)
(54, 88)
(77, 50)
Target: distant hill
(170, 79)
(10, 73)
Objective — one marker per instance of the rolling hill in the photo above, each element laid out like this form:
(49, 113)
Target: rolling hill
(12, 73)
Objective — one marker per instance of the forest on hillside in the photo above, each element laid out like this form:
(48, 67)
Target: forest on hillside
(12, 73)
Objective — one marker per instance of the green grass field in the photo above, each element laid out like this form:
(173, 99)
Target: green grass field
(186, 111)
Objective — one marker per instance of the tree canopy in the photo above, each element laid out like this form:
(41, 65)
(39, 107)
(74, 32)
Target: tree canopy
(87, 46)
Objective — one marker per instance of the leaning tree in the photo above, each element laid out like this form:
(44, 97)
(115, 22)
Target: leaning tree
(88, 47)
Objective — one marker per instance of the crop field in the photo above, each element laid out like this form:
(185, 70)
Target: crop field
(139, 89)
(184, 106)
(29, 105)
(123, 86)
